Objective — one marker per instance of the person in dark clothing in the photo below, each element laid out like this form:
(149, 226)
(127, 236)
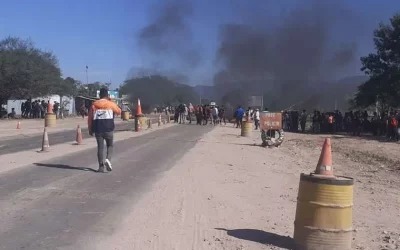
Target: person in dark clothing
(392, 127)
(12, 114)
(56, 108)
(357, 125)
(206, 114)
(303, 121)
(42, 109)
(23, 109)
(176, 115)
(221, 113)
(199, 114)
(375, 124)
(315, 122)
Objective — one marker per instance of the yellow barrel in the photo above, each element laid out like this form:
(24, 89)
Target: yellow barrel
(168, 117)
(125, 115)
(50, 120)
(324, 213)
(143, 121)
(246, 128)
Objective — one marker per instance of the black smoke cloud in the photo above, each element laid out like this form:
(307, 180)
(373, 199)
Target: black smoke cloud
(167, 39)
(291, 58)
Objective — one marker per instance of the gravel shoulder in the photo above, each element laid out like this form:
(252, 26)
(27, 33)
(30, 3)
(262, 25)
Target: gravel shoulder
(229, 193)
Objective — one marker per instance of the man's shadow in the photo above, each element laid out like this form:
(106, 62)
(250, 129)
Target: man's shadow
(262, 237)
(62, 166)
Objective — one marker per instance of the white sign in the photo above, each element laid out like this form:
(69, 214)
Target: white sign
(111, 93)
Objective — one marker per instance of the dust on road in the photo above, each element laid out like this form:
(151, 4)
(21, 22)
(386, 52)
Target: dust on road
(229, 193)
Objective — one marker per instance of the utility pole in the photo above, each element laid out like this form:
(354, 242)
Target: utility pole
(87, 75)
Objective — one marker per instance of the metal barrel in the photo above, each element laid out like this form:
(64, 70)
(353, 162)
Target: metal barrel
(168, 117)
(50, 120)
(246, 128)
(143, 121)
(324, 213)
(125, 115)
(137, 124)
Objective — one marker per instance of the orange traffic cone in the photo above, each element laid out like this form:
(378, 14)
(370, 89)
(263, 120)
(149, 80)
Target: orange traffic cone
(18, 125)
(78, 135)
(45, 141)
(324, 166)
(139, 108)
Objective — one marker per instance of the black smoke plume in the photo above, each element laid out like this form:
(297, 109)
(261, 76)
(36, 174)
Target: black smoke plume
(289, 60)
(167, 39)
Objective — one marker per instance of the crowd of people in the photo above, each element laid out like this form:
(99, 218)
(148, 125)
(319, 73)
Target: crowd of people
(211, 114)
(202, 113)
(353, 122)
(37, 109)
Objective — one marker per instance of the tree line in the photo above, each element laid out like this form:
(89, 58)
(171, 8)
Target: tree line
(158, 90)
(383, 69)
(29, 72)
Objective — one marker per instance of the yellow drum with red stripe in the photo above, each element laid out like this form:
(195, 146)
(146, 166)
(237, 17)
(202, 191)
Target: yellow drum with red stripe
(324, 213)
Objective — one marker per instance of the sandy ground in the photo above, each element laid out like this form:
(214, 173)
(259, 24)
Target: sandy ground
(23, 159)
(228, 193)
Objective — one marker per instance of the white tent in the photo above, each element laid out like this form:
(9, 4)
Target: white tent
(69, 103)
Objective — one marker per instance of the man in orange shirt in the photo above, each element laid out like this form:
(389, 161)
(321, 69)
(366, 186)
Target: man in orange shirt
(101, 124)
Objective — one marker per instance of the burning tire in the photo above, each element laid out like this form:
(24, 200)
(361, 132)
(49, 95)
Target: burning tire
(272, 138)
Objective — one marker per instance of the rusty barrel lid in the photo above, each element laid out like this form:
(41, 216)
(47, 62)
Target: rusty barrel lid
(328, 180)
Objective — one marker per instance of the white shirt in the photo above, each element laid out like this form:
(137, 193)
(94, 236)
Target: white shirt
(257, 115)
(215, 111)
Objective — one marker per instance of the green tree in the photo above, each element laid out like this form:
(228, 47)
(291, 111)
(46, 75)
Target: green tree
(91, 88)
(26, 71)
(383, 68)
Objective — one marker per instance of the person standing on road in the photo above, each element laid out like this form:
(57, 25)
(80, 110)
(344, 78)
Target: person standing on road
(215, 115)
(239, 116)
(221, 114)
(101, 124)
(303, 121)
(256, 117)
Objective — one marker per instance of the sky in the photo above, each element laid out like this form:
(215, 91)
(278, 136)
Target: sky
(102, 34)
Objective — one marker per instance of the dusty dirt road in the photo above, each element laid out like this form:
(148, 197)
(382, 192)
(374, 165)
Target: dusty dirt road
(61, 202)
(228, 193)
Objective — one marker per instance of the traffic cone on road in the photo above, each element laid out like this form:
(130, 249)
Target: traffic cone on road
(78, 135)
(324, 166)
(18, 125)
(45, 141)
(139, 109)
